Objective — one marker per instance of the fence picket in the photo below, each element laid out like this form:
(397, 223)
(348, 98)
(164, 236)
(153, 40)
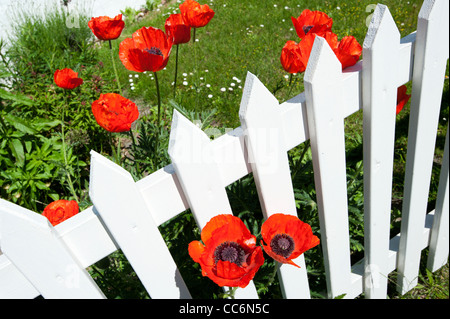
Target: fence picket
(124, 211)
(379, 91)
(439, 241)
(192, 154)
(325, 110)
(54, 271)
(262, 122)
(431, 54)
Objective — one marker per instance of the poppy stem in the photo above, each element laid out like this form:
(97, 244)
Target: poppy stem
(176, 72)
(114, 67)
(72, 189)
(159, 114)
(159, 97)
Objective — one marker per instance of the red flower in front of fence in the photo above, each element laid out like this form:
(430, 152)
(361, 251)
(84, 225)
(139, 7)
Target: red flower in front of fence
(148, 50)
(312, 21)
(402, 98)
(196, 15)
(60, 210)
(228, 255)
(67, 79)
(106, 28)
(287, 237)
(348, 51)
(177, 29)
(114, 113)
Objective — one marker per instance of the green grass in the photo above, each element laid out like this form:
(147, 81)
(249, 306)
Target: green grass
(245, 38)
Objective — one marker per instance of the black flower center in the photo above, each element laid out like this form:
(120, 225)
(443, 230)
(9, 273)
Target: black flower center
(282, 245)
(230, 251)
(154, 50)
(307, 28)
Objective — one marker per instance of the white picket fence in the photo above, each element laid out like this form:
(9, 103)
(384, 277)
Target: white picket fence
(39, 259)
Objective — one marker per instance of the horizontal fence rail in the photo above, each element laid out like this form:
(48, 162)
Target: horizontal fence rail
(39, 259)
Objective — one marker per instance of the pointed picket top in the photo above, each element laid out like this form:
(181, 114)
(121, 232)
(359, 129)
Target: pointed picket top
(379, 93)
(187, 143)
(437, 11)
(381, 26)
(125, 213)
(257, 98)
(191, 153)
(323, 65)
(31, 243)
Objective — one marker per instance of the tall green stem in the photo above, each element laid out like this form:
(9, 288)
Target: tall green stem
(176, 73)
(196, 70)
(159, 98)
(72, 189)
(138, 171)
(114, 67)
(159, 115)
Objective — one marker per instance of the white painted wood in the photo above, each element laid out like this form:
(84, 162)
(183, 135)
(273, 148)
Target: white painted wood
(123, 210)
(86, 237)
(358, 268)
(439, 242)
(379, 93)
(192, 155)
(32, 245)
(325, 110)
(431, 54)
(262, 122)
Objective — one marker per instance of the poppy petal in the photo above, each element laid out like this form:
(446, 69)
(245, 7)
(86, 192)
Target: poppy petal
(196, 249)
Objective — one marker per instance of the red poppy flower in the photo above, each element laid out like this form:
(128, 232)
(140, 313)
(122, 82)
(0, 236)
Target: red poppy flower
(67, 79)
(60, 210)
(175, 28)
(402, 98)
(114, 113)
(228, 255)
(348, 51)
(196, 15)
(106, 28)
(147, 50)
(287, 237)
(312, 21)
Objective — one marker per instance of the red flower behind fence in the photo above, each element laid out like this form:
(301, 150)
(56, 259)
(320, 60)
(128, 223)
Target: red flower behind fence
(67, 79)
(148, 50)
(402, 98)
(114, 113)
(228, 255)
(291, 58)
(106, 28)
(348, 51)
(312, 21)
(60, 210)
(294, 57)
(196, 15)
(287, 237)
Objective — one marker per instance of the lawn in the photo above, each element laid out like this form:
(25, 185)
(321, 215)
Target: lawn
(240, 38)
